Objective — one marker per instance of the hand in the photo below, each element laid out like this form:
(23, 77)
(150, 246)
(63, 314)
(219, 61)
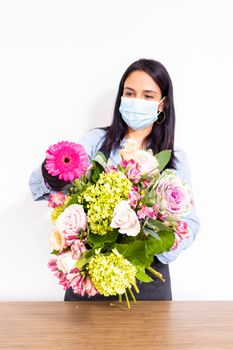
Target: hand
(54, 182)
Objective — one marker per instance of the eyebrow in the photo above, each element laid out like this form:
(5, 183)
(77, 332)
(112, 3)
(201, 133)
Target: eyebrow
(149, 91)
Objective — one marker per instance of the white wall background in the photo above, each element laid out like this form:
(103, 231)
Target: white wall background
(60, 66)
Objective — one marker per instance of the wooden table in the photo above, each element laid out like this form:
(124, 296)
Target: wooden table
(101, 325)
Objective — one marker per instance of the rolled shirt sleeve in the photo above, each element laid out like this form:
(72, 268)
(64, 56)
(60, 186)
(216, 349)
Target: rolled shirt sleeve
(37, 185)
(192, 219)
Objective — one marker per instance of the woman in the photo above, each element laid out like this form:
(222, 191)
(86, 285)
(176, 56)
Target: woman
(144, 111)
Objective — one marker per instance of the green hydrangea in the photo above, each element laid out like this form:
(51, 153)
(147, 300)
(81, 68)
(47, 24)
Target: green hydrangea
(111, 274)
(102, 197)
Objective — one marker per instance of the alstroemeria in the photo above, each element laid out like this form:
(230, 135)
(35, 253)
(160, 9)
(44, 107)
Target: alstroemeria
(81, 285)
(52, 264)
(134, 196)
(132, 170)
(110, 168)
(182, 229)
(150, 212)
(56, 199)
(77, 248)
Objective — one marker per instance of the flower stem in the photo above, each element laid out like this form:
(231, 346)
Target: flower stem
(156, 273)
(132, 295)
(136, 288)
(120, 298)
(127, 299)
(78, 185)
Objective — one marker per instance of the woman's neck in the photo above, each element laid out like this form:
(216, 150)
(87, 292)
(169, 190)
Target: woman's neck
(139, 135)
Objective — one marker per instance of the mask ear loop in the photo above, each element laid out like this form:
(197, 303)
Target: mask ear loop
(159, 122)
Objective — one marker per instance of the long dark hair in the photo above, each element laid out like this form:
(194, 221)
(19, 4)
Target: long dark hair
(162, 135)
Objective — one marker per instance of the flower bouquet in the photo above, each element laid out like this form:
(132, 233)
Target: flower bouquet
(113, 220)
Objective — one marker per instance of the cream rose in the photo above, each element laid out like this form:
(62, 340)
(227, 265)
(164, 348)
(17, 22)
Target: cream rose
(72, 220)
(56, 240)
(125, 219)
(130, 147)
(65, 262)
(147, 162)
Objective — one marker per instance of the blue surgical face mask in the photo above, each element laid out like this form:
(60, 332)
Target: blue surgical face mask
(138, 113)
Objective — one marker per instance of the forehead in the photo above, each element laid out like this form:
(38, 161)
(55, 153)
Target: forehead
(140, 80)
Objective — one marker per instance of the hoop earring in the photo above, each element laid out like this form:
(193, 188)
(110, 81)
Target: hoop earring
(163, 118)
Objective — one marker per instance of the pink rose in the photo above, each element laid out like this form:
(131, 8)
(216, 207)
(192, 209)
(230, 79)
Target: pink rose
(173, 195)
(72, 220)
(125, 219)
(65, 262)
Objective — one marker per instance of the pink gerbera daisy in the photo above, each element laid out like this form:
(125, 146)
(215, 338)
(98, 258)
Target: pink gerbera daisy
(68, 160)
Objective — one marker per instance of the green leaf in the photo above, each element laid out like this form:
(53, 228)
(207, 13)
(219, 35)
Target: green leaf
(160, 237)
(163, 158)
(78, 185)
(160, 242)
(98, 241)
(74, 199)
(142, 276)
(96, 170)
(86, 257)
(55, 252)
(149, 198)
(135, 252)
(101, 159)
(130, 250)
(148, 231)
(156, 225)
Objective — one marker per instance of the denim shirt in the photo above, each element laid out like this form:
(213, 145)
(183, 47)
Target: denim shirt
(92, 142)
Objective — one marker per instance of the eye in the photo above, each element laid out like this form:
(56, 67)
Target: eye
(148, 96)
(128, 94)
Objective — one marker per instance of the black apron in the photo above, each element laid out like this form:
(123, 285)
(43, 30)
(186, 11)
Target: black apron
(156, 290)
